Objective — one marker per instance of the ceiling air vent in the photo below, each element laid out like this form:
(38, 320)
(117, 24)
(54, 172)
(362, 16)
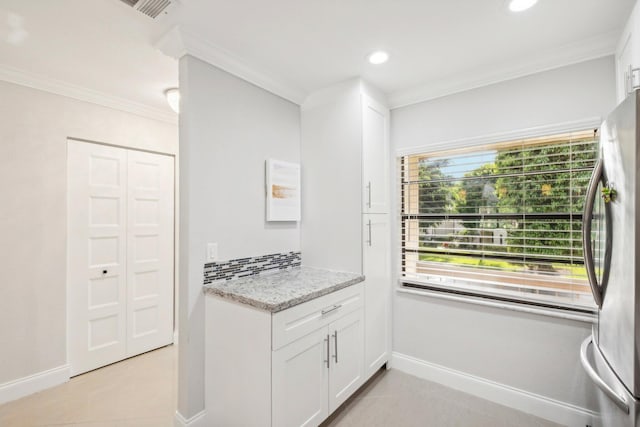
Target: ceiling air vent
(151, 8)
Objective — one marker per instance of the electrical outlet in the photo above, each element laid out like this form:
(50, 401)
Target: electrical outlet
(212, 251)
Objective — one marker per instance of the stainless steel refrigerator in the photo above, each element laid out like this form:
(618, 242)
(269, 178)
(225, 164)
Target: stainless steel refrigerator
(611, 239)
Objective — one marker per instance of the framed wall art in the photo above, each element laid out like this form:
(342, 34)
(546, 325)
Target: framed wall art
(283, 190)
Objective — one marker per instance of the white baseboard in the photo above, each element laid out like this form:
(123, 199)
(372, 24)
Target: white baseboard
(25, 386)
(540, 406)
(198, 420)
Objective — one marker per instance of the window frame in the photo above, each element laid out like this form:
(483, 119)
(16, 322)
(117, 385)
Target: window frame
(463, 291)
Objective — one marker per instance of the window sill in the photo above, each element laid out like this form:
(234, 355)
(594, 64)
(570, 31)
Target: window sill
(505, 305)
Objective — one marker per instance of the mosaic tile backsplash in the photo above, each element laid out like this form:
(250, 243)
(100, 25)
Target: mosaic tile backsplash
(243, 267)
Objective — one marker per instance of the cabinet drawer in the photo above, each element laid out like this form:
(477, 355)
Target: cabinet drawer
(295, 322)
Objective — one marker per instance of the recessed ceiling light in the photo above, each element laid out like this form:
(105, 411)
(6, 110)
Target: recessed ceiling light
(378, 57)
(520, 5)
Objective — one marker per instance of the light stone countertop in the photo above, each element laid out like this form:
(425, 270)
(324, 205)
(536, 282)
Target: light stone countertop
(278, 291)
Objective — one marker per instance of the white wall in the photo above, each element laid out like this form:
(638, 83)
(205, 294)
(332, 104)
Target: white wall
(576, 92)
(534, 353)
(228, 128)
(33, 154)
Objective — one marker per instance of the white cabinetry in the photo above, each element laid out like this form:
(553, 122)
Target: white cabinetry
(346, 350)
(376, 259)
(291, 368)
(375, 156)
(628, 56)
(315, 374)
(301, 381)
(375, 245)
(346, 183)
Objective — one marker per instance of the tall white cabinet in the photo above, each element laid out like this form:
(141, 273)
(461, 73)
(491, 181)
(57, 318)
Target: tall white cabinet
(346, 185)
(376, 256)
(120, 206)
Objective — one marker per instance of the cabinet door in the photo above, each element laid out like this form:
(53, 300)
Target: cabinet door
(635, 47)
(377, 290)
(346, 374)
(628, 56)
(624, 64)
(375, 158)
(300, 381)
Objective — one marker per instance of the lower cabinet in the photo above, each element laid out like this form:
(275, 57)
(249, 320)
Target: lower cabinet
(301, 381)
(288, 369)
(346, 368)
(315, 374)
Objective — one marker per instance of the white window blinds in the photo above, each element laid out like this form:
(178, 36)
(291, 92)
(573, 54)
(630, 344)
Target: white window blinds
(502, 220)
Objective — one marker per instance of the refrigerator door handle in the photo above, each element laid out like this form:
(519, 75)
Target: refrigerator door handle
(619, 400)
(586, 233)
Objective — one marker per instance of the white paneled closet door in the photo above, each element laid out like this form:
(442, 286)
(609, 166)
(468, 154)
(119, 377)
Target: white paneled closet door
(149, 251)
(97, 192)
(120, 254)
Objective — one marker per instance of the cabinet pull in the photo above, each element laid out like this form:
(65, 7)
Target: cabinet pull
(328, 356)
(335, 342)
(369, 198)
(369, 226)
(329, 310)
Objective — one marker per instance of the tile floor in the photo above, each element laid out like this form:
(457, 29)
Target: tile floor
(393, 398)
(138, 392)
(141, 392)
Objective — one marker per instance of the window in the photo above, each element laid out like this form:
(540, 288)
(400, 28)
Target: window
(501, 221)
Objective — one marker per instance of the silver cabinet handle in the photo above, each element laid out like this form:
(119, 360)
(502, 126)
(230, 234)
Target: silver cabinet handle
(328, 356)
(369, 242)
(335, 342)
(329, 310)
(369, 199)
(619, 400)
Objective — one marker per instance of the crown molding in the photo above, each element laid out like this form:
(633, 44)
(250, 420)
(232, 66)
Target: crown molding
(569, 54)
(177, 43)
(58, 87)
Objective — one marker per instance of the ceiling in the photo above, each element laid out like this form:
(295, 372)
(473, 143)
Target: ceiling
(108, 49)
